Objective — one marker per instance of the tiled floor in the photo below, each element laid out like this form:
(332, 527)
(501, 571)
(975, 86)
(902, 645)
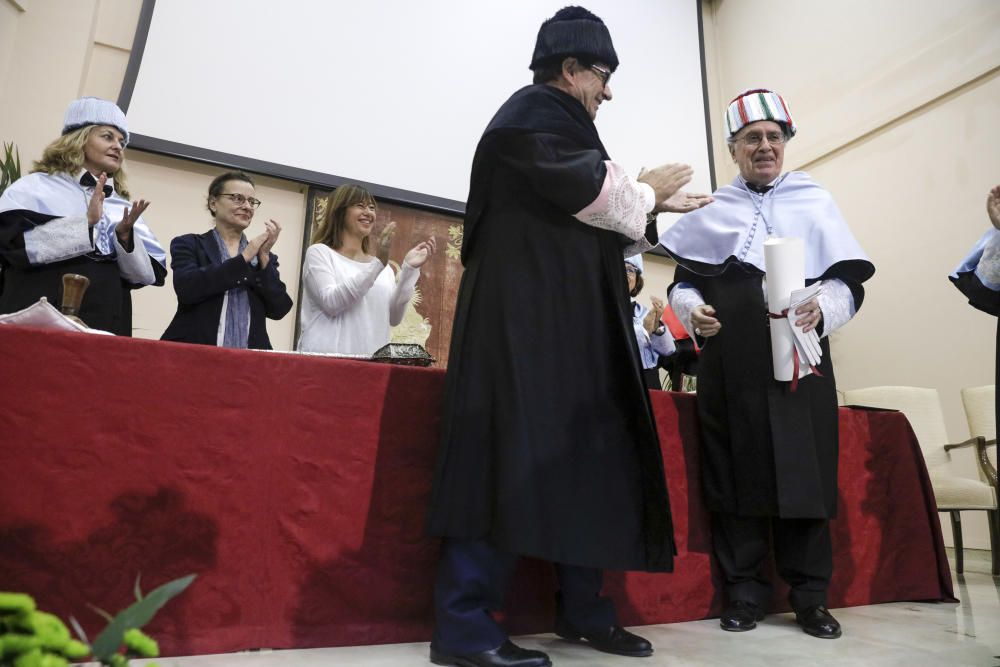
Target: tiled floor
(899, 634)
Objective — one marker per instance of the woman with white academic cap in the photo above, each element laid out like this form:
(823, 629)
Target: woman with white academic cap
(73, 215)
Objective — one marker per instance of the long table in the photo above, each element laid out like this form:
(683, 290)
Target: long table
(296, 488)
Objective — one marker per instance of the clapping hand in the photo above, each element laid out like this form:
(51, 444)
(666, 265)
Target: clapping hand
(254, 246)
(384, 242)
(993, 206)
(421, 252)
(95, 209)
(129, 218)
(272, 229)
(666, 180)
(683, 202)
(652, 320)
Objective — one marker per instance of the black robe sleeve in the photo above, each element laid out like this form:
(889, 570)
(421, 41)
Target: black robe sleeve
(268, 286)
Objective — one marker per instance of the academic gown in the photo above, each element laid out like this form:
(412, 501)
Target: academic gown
(548, 445)
(767, 450)
(979, 295)
(37, 199)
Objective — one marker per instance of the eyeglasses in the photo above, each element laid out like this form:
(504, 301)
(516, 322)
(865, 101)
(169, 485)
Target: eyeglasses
(755, 138)
(239, 200)
(603, 74)
(631, 270)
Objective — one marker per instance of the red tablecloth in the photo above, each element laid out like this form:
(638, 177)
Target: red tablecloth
(296, 487)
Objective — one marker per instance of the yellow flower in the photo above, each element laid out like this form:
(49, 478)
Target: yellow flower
(50, 630)
(12, 603)
(141, 644)
(16, 644)
(35, 658)
(74, 649)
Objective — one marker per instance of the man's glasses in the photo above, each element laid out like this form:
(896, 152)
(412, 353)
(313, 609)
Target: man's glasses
(604, 74)
(755, 138)
(239, 200)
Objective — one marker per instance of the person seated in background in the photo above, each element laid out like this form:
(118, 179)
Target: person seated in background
(227, 285)
(978, 276)
(73, 215)
(684, 361)
(350, 297)
(650, 333)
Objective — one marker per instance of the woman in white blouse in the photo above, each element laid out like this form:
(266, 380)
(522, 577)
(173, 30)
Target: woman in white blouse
(350, 296)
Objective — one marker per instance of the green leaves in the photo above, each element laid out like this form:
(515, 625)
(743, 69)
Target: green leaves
(10, 167)
(107, 643)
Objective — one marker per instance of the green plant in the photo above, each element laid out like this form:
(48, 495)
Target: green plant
(10, 167)
(32, 638)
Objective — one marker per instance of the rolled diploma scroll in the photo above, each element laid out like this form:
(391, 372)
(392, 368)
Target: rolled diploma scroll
(784, 261)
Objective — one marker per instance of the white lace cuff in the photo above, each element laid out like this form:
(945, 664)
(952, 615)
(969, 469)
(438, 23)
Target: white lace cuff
(684, 299)
(622, 204)
(57, 240)
(988, 270)
(837, 304)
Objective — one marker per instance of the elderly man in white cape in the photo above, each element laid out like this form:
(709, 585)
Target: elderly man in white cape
(73, 215)
(769, 458)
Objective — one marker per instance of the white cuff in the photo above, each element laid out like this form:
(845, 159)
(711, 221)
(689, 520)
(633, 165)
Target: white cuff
(622, 204)
(57, 240)
(134, 266)
(684, 299)
(837, 304)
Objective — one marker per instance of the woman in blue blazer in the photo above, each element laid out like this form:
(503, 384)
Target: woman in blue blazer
(227, 284)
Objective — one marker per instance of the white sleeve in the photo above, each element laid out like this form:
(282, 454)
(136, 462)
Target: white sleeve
(664, 344)
(402, 293)
(988, 269)
(621, 206)
(837, 304)
(134, 266)
(332, 293)
(684, 298)
(58, 239)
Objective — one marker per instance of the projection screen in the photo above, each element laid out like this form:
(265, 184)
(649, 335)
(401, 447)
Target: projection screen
(394, 94)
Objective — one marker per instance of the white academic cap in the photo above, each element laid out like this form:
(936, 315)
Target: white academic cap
(94, 111)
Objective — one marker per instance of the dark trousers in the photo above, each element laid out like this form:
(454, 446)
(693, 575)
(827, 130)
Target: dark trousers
(472, 579)
(803, 555)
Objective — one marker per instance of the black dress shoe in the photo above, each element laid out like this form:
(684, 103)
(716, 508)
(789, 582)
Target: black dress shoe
(507, 654)
(615, 639)
(818, 622)
(741, 616)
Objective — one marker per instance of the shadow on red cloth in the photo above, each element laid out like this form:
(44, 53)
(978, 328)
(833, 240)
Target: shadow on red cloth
(382, 592)
(153, 535)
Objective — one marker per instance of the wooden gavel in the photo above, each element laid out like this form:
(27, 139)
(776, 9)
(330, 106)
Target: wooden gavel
(74, 287)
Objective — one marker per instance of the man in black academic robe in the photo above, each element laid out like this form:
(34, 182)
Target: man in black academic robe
(769, 448)
(548, 446)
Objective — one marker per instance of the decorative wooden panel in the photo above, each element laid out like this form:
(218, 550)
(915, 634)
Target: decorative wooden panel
(429, 316)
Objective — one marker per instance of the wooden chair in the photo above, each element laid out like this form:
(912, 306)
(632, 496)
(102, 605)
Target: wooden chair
(953, 493)
(980, 412)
